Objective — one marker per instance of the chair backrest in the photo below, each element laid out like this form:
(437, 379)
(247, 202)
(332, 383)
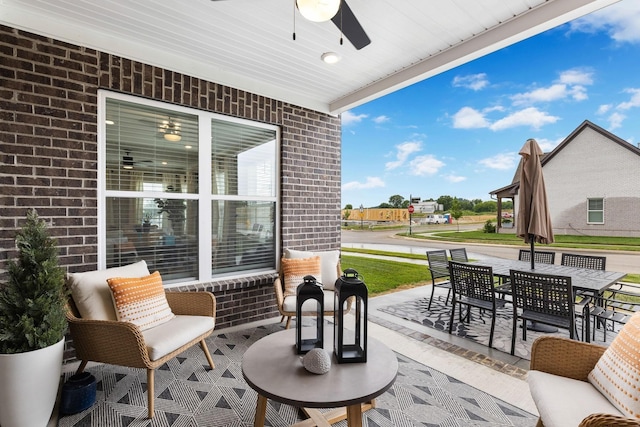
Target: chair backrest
(584, 261)
(438, 263)
(542, 257)
(472, 281)
(459, 255)
(545, 294)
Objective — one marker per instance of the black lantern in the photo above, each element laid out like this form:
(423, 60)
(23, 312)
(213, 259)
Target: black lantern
(350, 341)
(309, 289)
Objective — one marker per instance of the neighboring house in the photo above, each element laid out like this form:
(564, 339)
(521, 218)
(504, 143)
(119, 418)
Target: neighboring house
(427, 207)
(592, 180)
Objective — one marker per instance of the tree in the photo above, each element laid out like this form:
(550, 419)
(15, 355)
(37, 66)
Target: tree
(348, 206)
(396, 201)
(445, 201)
(456, 212)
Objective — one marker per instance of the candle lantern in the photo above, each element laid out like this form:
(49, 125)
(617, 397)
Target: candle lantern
(309, 291)
(350, 334)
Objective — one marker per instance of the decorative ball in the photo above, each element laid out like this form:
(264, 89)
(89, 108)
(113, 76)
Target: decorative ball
(317, 361)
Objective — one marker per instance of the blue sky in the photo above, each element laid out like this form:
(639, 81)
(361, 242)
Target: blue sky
(459, 133)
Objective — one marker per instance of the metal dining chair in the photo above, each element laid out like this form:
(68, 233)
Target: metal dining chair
(472, 286)
(541, 257)
(439, 269)
(459, 255)
(542, 298)
(591, 262)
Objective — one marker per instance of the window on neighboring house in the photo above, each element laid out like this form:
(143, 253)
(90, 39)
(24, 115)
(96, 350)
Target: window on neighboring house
(155, 204)
(595, 211)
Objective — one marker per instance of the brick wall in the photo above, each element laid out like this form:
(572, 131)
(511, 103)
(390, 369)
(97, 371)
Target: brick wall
(48, 160)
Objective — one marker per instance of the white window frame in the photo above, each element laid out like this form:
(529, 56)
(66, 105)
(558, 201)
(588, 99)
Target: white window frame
(204, 195)
(589, 210)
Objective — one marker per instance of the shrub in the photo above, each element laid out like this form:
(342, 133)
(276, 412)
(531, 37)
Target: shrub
(489, 227)
(32, 302)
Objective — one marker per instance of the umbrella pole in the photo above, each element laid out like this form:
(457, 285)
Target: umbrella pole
(533, 252)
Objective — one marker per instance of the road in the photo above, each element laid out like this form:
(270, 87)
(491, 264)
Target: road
(627, 262)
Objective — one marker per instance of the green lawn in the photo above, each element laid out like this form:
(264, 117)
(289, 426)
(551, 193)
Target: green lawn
(383, 276)
(561, 241)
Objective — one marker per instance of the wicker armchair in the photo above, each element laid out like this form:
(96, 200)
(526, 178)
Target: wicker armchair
(123, 343)
(573, 359)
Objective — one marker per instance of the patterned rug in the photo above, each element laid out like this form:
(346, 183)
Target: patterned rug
(189, 394)
(479, 327)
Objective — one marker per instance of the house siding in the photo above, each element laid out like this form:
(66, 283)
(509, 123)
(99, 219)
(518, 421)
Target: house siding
(593, 166)
(48, 160)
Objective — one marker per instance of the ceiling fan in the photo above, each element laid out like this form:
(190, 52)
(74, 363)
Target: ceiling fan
(128, 163)
(339, 12)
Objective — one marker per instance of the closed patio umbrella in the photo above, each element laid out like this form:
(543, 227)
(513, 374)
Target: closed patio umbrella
(534, 220)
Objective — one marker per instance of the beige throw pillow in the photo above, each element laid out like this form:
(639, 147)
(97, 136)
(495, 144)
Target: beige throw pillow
(617, 373)
(91, 293)
(294, 270)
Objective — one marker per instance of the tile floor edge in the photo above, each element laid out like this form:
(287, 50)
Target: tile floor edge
(482, 359)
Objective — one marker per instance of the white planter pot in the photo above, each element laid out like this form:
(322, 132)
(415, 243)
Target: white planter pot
(29, 386)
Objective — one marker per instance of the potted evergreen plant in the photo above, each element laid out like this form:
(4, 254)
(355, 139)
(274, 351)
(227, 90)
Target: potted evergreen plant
(32, 328)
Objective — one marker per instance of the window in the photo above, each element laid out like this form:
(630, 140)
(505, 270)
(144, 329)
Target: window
(155, 204)
(595, 211)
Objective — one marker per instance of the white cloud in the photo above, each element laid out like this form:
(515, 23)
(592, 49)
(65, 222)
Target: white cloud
(349, 118)
(371, 182)
(455, 178)
(425, 165)
(469, 118)
(576, 77)
(531, 117)
(543, 94)
(547, 145)
(604, 108)
(633, 102)
(571, 83)
(615, 120)
(381, 119)
(500, 161)
(404, 150)
(472, 81)
(620, 20)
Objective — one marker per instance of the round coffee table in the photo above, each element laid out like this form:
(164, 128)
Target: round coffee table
(272, 367)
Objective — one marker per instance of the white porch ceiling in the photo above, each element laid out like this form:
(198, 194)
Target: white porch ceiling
(247, 44)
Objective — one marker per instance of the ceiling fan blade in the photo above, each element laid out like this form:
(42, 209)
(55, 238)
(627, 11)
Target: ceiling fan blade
(351, 28)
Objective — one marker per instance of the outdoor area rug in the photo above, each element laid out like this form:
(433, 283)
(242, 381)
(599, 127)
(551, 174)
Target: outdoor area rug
(190, 394)
(479, 326)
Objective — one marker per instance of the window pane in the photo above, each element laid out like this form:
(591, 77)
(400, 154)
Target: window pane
(149, 144)
(163, 232)
(596, 216)
(242, 236)
(243, 160)
(596, 204)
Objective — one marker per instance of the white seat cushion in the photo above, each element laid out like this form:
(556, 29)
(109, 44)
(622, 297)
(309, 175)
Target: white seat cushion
(91, 293)
(165, 338)
(563, 402)
(289, 303)
(328, 264)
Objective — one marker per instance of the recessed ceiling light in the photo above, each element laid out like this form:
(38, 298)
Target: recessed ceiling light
(110, 122)
(330, 57)
(188, 147)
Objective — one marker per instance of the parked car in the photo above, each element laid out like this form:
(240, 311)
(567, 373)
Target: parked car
(435, 219)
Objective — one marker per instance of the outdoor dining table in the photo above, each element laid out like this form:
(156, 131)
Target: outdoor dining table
(594, 282)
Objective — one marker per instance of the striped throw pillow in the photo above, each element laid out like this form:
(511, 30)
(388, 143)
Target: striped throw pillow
(140, 300)
(294, 270)
(617, 373)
